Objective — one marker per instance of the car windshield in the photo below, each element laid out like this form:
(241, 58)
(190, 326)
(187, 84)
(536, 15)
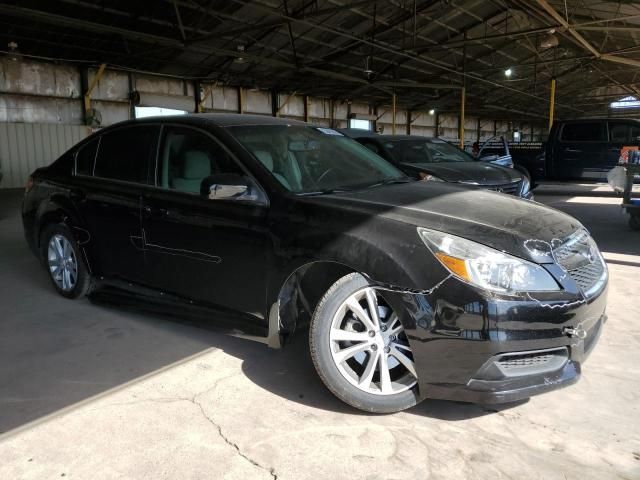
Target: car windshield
(426, 151)
(310, 160)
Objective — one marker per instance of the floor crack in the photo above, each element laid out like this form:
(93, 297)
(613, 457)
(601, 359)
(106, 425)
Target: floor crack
(233, 444)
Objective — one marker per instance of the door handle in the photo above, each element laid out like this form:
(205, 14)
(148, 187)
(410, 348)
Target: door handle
(149, 210)
(572, 150)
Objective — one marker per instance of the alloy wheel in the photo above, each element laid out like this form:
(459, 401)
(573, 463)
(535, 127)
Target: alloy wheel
(369, 346)
(62, 261)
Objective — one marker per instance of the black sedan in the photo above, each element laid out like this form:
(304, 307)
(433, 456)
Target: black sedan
(410, 289)
(437, 160)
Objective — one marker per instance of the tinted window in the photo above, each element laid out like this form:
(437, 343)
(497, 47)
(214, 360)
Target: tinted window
(426, 151)
(188, 156)
(371, 146)
(635, 133)
(312, 159)
(618, 132)
(86, 157)
(582, 132)
(125, 154)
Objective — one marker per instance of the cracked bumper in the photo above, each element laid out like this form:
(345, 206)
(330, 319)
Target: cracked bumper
(459, 334)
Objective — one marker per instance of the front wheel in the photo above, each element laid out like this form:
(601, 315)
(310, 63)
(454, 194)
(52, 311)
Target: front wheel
(360, 350)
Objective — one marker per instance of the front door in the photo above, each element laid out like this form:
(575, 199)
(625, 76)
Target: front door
(211, 252)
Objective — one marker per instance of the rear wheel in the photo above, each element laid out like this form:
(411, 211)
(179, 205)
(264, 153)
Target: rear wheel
(360, 349)
(64, 262)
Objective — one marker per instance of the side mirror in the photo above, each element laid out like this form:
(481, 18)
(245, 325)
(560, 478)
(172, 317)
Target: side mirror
(226, 186)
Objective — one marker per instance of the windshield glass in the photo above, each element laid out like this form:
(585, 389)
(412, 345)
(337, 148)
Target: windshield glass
(426, 151)
(307, 159)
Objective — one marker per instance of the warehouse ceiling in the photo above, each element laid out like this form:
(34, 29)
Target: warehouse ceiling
(424, 50)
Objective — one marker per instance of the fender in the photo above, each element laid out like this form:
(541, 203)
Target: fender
(394, 263)
(58, 208)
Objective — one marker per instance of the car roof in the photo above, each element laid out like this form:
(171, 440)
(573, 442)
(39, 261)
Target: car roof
(591, 120)
(217, 119)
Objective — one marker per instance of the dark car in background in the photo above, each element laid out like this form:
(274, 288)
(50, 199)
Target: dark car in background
(587, 149)
(435, 159)
(264, 225)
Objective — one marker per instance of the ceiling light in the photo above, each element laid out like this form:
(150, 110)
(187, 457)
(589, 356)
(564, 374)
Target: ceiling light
(508, 72)
(432, 111)
(549, 40)
(240, 58)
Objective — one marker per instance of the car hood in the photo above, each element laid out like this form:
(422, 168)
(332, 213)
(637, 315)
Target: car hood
(468, 172)
(520, 227)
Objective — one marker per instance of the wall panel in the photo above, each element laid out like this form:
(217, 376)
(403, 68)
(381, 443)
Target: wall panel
(27, 146)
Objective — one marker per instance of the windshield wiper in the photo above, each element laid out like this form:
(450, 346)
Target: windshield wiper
(390, 181)
(325, 191)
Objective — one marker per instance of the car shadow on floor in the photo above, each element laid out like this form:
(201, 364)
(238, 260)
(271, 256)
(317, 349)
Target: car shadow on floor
(290, 374)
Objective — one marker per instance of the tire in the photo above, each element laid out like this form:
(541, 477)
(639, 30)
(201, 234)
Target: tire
(527, 174)
(61, 255)
(351, 357)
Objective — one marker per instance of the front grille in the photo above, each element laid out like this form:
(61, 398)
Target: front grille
(508, 188)
(579, 256)
(587, 275)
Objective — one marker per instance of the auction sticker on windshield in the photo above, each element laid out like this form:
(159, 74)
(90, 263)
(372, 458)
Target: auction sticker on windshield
(329, 131)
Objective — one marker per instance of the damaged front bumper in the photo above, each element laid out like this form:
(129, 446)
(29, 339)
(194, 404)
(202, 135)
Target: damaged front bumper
(472, 346)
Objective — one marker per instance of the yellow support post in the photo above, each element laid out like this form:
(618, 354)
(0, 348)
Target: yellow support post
(552, 102)
(206, 95)
(393, 114)
(94, 82)
(461, 129)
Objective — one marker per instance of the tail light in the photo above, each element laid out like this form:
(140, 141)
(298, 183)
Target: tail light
(29, 184)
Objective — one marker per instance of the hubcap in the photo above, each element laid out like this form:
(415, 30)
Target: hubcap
(63, 265)
(369, 346)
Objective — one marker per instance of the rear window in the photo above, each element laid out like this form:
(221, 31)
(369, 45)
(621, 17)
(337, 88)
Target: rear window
(126, 154)
(582, 132)
(86, 157)
(619, 132)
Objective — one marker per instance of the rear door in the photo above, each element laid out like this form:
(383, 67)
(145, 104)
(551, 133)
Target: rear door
(581, 150)
(108, 194)
(212, 252)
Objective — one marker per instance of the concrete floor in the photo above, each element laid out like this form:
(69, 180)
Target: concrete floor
(88, 391)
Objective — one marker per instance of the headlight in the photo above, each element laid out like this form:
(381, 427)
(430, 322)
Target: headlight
(429, 178)
(485, 267)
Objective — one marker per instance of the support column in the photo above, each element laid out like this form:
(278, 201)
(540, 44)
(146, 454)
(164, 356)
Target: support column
(408, 122)
(305, 99)
(393, 114)
(89, 90)
(552, 102)
(461, 126)
(274, 103)
(240, 100)
(197, 96)
(132, 85)
(332, 113)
